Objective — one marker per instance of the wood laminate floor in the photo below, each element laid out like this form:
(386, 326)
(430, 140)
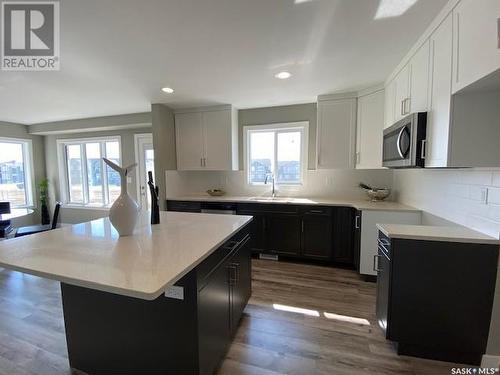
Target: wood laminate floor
(301, 319)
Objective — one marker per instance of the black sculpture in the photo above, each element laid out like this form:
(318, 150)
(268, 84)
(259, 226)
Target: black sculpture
(155, 209)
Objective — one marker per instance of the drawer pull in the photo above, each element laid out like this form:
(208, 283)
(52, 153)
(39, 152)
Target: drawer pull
(356, 221)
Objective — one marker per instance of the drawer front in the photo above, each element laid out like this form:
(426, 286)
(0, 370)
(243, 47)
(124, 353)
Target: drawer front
(268, 208)
(183, 206)
(209, 265)
(319, 210)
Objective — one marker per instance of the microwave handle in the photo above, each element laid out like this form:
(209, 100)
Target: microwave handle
(398, 142)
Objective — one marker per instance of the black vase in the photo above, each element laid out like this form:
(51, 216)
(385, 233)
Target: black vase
(45, 215)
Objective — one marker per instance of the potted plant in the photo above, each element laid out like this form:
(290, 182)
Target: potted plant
(43, 187)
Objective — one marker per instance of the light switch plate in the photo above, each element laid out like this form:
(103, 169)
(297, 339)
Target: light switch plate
(129, 180)
(175, 292)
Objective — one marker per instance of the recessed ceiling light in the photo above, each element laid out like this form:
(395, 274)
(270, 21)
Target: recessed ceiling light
(283, 75)
(168, 90)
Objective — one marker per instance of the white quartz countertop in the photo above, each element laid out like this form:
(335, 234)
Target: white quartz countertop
(436, 233)
(363, 205)
(92, 255)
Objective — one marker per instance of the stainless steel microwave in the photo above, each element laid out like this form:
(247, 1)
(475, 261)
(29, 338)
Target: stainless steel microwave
(404, 142)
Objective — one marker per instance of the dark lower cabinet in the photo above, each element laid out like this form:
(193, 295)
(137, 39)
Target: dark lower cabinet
(317, 235)
(183, 206)
(108, 333)
(383, 264)
(284, 234)
(434, 298)
(259, 229)
(240, 280)
(213, 319)
(299, 231)
(221, 302)
(343, 236)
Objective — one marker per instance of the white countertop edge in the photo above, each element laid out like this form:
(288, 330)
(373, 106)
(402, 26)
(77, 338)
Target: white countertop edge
(480, 239)
(362, 205)
(149, 296)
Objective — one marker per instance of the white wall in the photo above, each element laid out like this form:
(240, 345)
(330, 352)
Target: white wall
(458, 195)
(317, 183)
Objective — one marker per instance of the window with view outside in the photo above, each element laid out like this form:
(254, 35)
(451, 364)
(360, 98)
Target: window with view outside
(14, 177)
(275, 152)
(89, 180)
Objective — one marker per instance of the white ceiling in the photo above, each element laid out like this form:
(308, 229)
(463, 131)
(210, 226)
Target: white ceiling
(117, 54)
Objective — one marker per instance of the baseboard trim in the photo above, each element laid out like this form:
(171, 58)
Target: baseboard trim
(490, 361)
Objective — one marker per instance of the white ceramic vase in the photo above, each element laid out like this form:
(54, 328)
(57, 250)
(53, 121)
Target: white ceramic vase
(124, 212)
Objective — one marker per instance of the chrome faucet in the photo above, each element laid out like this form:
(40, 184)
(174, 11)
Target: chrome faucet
(271, 176)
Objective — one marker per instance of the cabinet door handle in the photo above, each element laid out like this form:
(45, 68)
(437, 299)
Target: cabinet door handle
(356, 222)
(423, 148)
(232, 269)
(302, 226)
(201, 162)
(375, 263)
(402, 109)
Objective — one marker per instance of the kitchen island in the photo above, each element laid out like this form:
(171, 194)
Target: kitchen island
(166, 300)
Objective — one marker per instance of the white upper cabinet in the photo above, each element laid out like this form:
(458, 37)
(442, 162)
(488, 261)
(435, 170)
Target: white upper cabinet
(370, 124)
(390, 104)
(476, 41)
(402, 93)
(206, 139)
(419, 80)
(189, 141)
(218, 140)
(336, 133)
(438, 121)
(409, 90)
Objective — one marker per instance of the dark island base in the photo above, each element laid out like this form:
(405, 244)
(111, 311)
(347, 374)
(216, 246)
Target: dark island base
(439, 354)
(112, 334)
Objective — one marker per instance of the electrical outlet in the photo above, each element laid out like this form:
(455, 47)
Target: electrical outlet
(175, 292)
(129, 180)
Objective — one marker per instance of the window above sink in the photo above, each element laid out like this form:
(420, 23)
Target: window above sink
(278, 150)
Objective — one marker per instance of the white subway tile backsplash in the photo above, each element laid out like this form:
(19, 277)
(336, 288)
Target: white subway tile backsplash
(317, 183)
(494, 195)
(468, 197)
(496, 179)
(459, 190)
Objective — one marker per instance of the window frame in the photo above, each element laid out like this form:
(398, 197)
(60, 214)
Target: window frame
(286, 127)
(64, 171)
(29, 171)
